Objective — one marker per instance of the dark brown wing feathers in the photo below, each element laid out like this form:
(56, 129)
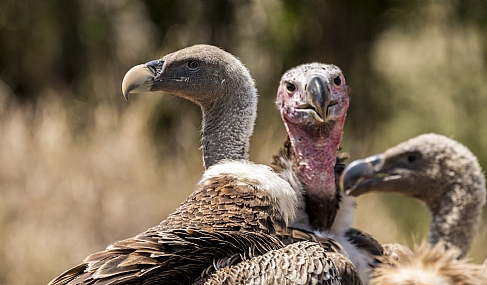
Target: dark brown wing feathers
(215, 208)
(175, 257)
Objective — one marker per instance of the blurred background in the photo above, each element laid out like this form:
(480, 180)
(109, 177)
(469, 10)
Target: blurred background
(81, 168)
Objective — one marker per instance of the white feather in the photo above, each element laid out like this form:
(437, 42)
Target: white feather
(263, 178)
(342, 223)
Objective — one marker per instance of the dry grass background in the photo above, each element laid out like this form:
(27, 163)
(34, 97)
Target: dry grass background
(77, 175)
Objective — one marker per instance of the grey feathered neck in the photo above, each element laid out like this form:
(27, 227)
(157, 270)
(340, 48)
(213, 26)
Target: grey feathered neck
(455, 192)
(228, 120)
(456, 215)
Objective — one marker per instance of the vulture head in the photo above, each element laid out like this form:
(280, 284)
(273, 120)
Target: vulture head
(435, 169)
(313, 96)
(215, 80)
(312, 99)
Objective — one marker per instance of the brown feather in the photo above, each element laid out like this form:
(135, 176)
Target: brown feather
(189, 251)
(298, 263)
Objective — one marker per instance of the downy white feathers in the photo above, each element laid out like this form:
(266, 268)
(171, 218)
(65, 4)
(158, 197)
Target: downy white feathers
(261, 177)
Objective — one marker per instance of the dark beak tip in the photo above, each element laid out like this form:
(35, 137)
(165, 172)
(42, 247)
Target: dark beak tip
(352, 173)
(350, 193)
(318, 95)
(346, 187)
(358, 170)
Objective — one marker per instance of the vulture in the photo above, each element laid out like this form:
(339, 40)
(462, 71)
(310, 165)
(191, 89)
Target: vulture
(447, 178)
(235, 206)
(311, 163)
(312, 99)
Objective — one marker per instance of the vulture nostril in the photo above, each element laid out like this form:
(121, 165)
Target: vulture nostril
(155, 66)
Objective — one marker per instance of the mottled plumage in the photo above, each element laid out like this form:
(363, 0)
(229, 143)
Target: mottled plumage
(444, 175)
(299, 263)
(236, 196)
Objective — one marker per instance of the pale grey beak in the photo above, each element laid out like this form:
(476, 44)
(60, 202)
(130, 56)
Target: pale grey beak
(138, 79)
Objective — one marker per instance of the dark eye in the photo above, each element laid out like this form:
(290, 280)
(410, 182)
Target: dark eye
(337, 81)
(413, 158)
(193, 65)
(290, 87)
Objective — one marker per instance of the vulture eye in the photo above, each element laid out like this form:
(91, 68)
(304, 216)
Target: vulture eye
(413, 158)
(290, 87)
(193, 65)
(337, 81)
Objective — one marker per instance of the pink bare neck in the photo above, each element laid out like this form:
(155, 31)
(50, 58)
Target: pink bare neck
(317, 154)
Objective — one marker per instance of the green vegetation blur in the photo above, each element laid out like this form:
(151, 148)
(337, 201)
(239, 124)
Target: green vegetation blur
(81, 168)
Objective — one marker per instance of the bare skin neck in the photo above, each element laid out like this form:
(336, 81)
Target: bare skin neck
(316, 150)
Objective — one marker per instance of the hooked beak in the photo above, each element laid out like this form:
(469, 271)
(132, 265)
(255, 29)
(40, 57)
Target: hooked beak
(360, 174)
(318, 98)
(140, 78)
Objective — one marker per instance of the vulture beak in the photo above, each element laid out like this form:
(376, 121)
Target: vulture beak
(318, 98)
(359, 175)
(140, 78)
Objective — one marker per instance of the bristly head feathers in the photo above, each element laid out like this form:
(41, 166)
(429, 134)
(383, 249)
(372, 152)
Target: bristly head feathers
(430, 266)
(262, 178)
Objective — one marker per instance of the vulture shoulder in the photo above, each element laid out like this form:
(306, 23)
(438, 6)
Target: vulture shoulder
(233, 224)
(236, 195)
